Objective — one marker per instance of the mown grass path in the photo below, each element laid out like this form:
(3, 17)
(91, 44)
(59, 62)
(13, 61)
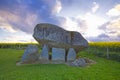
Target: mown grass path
(103, 70)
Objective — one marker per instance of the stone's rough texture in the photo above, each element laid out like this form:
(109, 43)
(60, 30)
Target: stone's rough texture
(30, 54)
(71, 56)
(58, 54)
(79, 62)
(57, 37)
(45, 52)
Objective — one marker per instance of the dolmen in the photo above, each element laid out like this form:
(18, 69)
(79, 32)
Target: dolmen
(58, 45)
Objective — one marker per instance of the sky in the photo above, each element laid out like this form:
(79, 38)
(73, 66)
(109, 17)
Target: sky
(96, 20)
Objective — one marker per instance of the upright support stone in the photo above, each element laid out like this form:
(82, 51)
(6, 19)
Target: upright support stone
(71, 56)
(45, 52)
(58, 54)
(30, 55)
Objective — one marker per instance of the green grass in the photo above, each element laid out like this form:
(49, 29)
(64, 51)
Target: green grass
(103, 70)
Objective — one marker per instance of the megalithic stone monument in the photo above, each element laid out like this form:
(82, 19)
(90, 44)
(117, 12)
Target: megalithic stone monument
(60, 41)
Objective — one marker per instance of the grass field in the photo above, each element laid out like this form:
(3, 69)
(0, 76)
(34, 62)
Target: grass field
(103, 70)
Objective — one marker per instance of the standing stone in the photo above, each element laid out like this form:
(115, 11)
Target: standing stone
(45, 52)
(58, 54)
(30, 54)
(71, 56)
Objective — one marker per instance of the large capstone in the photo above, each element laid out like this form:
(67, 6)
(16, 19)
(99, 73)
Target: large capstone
(71, 56)
(45, 52)
(58, 54)
(54, 36)
(30, 54)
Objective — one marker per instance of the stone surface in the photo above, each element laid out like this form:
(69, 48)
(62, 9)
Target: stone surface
(58, 54)
(45, 52)
(54, 36)
(79, 62)
(71, 56)
(30, 54)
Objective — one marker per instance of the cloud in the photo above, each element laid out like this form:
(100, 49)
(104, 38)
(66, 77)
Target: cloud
(18, 22)
(103, 36)
(74, 24)
(16, 37)
(6, 26)
(86, 24)
(115, 24)
(92, 22)
(70, 24)
(53, 7)
(95, 7)
(57, 7)
(115, 11)
(82, 24)
(111, 28)
(21, 18)
(24, 15)
(17, 16)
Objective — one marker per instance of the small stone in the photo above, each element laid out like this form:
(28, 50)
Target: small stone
(71, 56)
(45, 52)
(30, 54)
(58, 54)
(78, 62)
(19, 63)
